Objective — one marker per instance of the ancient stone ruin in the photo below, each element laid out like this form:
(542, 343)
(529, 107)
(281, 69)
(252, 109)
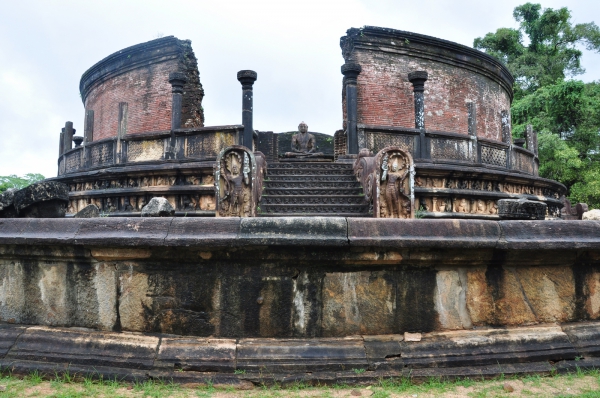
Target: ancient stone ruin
(299, 255)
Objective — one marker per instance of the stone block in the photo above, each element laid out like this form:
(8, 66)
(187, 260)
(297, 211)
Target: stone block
(521, 209)
(488, 347)
(450, 299)
(85, 347)
(158, 207)
(549, 235)
(7, 207)
(317, 231)
(550, 291)
(422, 233)
(593, 214)
(383, 351)
(204, 232)
(89, 211)
(358, 303)
(46, 199)
(285, 355)
(197, 354)
(122, 231)
(585, 336)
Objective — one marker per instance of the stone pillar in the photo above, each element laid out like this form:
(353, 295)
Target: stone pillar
(247, 78)
(506, 134)
(418, 79)
(67, 137)
(472, 118)
(177, 80)
(88, 133)
(351, 72)
(531, 137)
(61, 142)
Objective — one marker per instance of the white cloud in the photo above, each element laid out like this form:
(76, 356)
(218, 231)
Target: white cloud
(293, 45)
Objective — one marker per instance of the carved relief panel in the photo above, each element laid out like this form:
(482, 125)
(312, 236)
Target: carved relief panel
(235, 177)
(395, 172)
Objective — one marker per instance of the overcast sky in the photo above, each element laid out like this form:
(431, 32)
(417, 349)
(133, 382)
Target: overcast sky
(45, 46)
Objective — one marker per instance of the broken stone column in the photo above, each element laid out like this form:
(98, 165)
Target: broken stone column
(67, 137)
(247, 78)
(418, 79)
(531, 138)
(46, 199)
(506, 134)
(351, 72)
(177, 80)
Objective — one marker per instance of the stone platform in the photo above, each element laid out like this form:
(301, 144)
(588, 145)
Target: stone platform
(307, 298)
(481, 353)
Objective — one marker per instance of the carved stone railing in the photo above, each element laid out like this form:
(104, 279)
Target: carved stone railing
(446, 147)
(202, 143)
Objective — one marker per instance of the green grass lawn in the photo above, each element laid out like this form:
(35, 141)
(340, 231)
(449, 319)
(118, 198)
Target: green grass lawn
(578, 384)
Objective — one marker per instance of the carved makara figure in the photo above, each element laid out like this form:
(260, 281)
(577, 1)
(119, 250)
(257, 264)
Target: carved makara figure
(395, 198)
(303, 144)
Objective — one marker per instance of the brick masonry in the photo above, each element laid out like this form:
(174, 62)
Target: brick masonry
(138, 76)
(457, 75)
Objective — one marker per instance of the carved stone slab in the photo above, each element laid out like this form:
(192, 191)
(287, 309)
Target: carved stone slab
(521, 209)
(235, 177)
(394, 178)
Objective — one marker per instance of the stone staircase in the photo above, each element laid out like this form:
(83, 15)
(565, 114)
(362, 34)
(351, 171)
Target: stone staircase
(312, 189)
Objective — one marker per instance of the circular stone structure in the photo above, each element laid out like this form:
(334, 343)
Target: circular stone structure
(138, 142)
(465, 159)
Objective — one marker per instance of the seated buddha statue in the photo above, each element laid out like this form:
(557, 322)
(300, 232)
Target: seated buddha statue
(303, 144)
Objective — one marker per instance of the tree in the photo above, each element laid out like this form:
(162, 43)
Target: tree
(551, 53)
(541, 54)
(12, 181)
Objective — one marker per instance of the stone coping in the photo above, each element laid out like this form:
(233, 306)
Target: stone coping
(482, 353)
(305, 231)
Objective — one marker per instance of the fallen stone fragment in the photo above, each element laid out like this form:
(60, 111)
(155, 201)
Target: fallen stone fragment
(508, 387)
(89, 211)
(158, 207)
(7, 208)
(521, 209)
(46, 199)
(355, 393)
(591, 215)
(412, 336)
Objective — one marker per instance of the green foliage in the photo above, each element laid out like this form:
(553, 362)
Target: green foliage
(540, 54)
(550, 52)
(13, 181)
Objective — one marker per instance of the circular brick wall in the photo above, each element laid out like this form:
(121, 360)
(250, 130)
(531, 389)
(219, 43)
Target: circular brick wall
(128, 92)
(457, 75)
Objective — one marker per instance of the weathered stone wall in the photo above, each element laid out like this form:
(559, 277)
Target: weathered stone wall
(302, 277)
(138, 76)
(457, 75)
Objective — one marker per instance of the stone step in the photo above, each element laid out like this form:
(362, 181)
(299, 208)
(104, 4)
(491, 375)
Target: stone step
(308, 172)
(294, 191)
(350, 210)
(310, 165)
(310, 178)
(310, 184)
(312, 200)
(315, 215)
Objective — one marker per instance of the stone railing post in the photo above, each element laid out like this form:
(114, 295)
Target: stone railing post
(247, 79)
(177, 80)
(531, 138)
(351, 72)
(67, 137)
(418, 79)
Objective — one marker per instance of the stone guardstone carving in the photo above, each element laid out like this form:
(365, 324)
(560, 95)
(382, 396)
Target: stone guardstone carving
(235, 177)
(521, 209)
(394, 195)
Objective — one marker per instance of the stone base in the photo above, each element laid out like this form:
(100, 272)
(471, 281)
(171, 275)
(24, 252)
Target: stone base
(485, 353)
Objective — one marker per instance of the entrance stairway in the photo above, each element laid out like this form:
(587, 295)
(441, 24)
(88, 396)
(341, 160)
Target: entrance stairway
(312, 189)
